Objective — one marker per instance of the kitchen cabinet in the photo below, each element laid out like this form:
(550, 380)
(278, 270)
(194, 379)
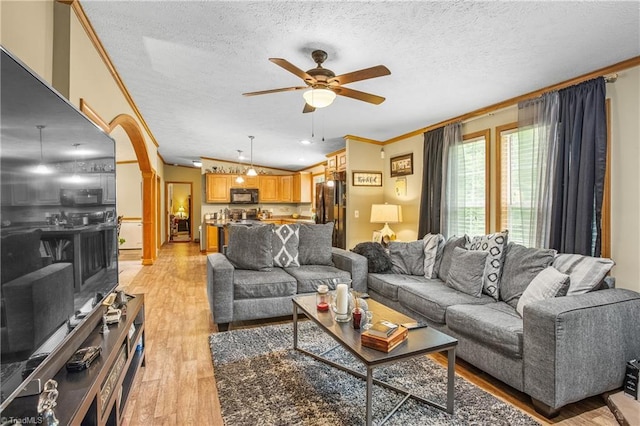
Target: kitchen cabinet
(302, 187)
(341, 160)
(213, 244)
(285, 193)
(217, 188)
(269, 189)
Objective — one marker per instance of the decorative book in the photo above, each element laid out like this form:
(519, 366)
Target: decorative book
(382, 328)
(384, 344)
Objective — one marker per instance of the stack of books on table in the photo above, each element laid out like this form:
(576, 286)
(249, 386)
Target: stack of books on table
(384, 336)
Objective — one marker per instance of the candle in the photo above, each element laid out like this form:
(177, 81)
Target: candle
(342, 299)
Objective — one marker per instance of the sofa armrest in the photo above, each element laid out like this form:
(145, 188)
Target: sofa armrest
(353, 263)
(220, 287)
(577, 346)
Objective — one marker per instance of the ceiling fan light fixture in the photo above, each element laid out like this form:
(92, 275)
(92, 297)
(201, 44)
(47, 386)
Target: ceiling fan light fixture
(319, 98)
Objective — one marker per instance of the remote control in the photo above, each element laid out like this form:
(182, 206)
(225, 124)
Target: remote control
(414, 325)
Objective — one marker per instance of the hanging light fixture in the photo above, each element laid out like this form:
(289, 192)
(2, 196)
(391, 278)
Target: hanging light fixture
(75, 178)
(42, 168)
(319, 98)
(252, 171)
(239, 178)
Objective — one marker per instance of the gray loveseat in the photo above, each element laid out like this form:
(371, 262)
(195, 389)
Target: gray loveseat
(558, 350)
(265, 266)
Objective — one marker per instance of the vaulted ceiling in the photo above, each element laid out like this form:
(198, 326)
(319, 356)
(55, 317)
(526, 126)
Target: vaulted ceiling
(187, 63)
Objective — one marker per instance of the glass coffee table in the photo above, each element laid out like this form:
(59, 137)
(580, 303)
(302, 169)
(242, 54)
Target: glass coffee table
(421, 341)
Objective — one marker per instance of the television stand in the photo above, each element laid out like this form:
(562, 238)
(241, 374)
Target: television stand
(97, 395)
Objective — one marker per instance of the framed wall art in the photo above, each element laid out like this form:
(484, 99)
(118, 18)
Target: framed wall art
(402, 165)
(367, 178)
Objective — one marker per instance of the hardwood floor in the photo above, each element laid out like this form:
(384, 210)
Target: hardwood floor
(177, 385)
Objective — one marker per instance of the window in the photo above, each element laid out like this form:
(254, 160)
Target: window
(516, 182)
(468, 191)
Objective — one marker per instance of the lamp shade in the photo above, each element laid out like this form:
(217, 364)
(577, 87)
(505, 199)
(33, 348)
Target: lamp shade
(319, 98)
(386, 213)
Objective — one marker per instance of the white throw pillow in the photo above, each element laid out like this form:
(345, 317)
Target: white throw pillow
(433, 246)
(547, 284)
(585, 272)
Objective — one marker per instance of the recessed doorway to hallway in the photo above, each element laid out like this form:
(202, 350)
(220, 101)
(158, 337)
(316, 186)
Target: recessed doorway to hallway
(178, 210)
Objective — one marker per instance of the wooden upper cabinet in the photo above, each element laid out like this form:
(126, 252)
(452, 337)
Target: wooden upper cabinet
(332, 162)
(286, 189)
(302, 187)
(249, 182)
(268, 186)
(218, 186)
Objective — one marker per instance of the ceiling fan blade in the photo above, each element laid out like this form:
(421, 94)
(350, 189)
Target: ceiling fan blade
(293, 69)
(350, 77)
(307, 108)
(284, 89)
(361, 96)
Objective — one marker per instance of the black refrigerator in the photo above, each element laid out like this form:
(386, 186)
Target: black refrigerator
(331, 206)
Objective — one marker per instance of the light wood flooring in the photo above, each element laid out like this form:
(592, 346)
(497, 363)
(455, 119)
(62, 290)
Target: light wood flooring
(177, 386)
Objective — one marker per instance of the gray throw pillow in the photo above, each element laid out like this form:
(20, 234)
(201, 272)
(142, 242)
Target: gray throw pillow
(407, 258)
(442, 266)
(521, 265)
(547, 284)
(315, 244)
(286, 239)
(495, 245)
(585, 272)
(250, 247)
(433, 245)
(467, 270)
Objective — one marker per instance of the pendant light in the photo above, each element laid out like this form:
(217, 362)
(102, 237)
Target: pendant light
(251, 171)
(75, 178)
(239, 178)
(42, 168)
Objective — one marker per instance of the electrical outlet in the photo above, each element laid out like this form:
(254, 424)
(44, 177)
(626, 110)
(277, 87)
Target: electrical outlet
(356, 213)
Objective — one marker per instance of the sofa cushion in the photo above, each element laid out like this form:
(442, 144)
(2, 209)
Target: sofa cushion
(250, 247)
(494, 324)
(286, 239)
(20, 254)
(315, 244)
(433, 245)
(431, 298)
(249, 284)
(521, 265)
(495, 245)
(378, 259)
(547, 284)
(387, 285)
(309, 277)
(442, 266)
(407, 258)
(466, 272)
(585, 272)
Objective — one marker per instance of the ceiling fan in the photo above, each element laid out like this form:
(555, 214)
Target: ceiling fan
(324, 85)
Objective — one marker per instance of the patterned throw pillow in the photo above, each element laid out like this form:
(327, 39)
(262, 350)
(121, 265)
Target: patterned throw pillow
(433, 247)
(285, 245)
(585, 272)
(495, 245)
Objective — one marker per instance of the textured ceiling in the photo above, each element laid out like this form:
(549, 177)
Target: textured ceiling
(186, 64)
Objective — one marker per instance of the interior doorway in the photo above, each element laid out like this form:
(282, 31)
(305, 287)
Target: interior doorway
(179, 207)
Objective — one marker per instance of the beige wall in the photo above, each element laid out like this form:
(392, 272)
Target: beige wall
(188, 174)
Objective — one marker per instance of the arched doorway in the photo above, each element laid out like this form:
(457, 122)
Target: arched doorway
(132, 129)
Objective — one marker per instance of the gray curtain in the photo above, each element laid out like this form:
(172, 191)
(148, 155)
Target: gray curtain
(430, 202)
(580, 169)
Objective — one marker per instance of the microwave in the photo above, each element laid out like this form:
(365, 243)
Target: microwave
(81, 197)
(243, 196)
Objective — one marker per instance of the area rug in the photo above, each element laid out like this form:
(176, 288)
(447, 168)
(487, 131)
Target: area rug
(261, 380)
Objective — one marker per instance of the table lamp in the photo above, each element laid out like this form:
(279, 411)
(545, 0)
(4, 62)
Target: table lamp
(386, 213)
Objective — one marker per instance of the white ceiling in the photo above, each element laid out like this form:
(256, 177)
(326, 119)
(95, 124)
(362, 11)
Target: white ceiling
(186, 64)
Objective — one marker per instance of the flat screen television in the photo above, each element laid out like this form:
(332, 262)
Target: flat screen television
(58, 233)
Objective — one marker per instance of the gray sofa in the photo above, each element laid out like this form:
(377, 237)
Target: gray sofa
(246, 283)
(560, 350)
